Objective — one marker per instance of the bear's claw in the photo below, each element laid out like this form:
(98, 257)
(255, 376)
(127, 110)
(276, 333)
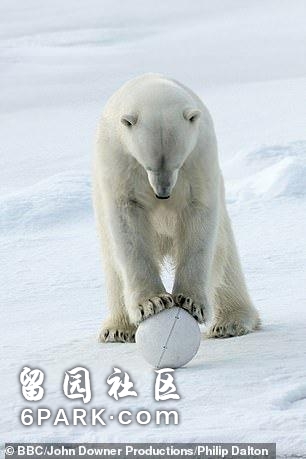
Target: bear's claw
(117, 335)
(230, 329)
(196, 310)
(155, 304)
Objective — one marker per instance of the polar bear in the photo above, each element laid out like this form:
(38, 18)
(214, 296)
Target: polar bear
(158, 193)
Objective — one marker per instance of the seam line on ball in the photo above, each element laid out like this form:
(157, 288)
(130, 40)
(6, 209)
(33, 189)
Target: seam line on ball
(176, 317)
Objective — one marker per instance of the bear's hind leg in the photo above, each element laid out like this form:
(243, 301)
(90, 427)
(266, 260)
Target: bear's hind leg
(234, 313)
(233, 316)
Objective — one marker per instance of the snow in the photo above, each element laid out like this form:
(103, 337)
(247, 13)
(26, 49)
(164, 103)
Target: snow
(59, 62)
(269, 172)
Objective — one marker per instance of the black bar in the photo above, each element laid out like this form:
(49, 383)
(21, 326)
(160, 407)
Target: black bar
(140, 450)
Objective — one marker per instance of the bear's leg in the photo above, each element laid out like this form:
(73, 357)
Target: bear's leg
(116, 327)
(193, 254)
(234, 313)
(135, 255)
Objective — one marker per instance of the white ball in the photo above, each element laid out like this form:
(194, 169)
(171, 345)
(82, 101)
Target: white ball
(169, 339)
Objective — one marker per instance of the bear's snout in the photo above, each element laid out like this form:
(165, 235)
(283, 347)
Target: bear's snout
(162, 182)
(163, 191)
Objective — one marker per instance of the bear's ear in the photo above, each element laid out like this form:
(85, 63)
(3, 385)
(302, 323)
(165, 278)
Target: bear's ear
(129, 120)
(191, 114)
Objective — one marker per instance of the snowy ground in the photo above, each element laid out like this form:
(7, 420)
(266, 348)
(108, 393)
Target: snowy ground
(59, 62)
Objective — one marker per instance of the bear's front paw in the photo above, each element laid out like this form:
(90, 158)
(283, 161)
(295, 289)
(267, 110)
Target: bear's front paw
(198, 311)
(154, 305)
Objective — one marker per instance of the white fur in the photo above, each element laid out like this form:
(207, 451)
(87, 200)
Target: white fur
(157, 138)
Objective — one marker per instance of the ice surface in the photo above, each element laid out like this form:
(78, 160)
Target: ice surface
(59, 63)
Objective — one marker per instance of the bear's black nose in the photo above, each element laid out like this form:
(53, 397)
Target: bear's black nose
(162, 197)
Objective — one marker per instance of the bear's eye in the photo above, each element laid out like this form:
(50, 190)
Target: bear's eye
(191, 114)
(129, 120)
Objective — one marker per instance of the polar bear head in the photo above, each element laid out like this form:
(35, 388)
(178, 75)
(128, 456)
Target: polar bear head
(160, 128)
